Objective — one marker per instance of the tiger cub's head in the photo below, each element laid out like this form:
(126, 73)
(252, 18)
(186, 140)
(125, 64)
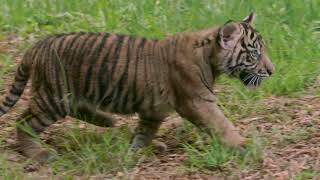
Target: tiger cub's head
(242, 52)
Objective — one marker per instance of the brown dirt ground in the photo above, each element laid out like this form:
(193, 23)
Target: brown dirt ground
(291, 126)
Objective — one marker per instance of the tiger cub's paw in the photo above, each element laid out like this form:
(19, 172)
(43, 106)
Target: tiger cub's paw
(40, 158)
(44, 156)
(234, 139)
(159, 146)
(141, 141)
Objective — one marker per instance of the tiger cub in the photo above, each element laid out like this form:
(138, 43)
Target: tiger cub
(84, 75)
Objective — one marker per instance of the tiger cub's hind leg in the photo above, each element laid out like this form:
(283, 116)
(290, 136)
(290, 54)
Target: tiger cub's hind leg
(29, 126)
(90, 114)
(146, 130)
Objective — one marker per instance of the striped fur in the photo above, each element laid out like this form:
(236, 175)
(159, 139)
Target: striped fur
(107, 70)
(87, 74)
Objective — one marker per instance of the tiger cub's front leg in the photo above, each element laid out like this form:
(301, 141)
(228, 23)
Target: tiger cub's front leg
(205, 114)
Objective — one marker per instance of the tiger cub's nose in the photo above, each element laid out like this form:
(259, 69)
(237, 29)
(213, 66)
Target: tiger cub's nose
(270, 71)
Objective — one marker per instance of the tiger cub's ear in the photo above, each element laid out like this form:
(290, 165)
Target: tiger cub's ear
(250, 19)
(229, 35)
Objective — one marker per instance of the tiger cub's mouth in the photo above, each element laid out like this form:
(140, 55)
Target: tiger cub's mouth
(250, 79)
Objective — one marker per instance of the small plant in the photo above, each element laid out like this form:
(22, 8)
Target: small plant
(308, 174)
(216, 156)
(211, 156)
(6, 64)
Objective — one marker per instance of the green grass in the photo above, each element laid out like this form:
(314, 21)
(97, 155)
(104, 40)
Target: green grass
(6, 65)
(210, 153)
(7, 172)
(7, 169)
(215, 156)
(86, 152)
(287, 26)
(308, 174)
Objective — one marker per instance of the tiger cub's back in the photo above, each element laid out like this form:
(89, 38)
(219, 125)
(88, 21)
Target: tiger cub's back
(119, 73)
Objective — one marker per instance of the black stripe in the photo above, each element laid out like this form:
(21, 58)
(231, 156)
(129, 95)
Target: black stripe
(15, 91)
(243, 44)
(34, 52)
(41, 107)
(39, 120)
(103, 73)
(252, 35)
(116, 54)
(59, 73)
(20, 72)
(245, 27)
(158, 62)
(69, 52)
(136, 103)
(70, 49)
(8, 99)
(254, 42)
(124, 102)
(248, 65)
(146, 75)
(25, 68)
(38, 65)
(85, 47)
(18, 77)
(146, 85)
(123, 78)
(154, 73)
(40, 48)
(45, 107)
(138, 53)
(108, 97)
(204, 80)
(54, 105)
(96, 94)
(91, 62)
(174, 47)
(94, 59)
(238, 59)
(5, 103)
(46, 66)
(37, 49)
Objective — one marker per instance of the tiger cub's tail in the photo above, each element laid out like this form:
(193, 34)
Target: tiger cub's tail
(18, 86)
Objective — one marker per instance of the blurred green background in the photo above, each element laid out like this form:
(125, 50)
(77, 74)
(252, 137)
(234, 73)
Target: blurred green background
(288, 26)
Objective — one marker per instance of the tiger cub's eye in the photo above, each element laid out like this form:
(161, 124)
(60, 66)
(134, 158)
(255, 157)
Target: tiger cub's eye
(255, 54)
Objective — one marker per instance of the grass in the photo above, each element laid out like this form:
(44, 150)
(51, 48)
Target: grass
(289, 27)
(89, 153)
(7, 169)
(6, 65)
(210, 153)
(215, 156)
(308, 174)
(7, 172)
(84, 153)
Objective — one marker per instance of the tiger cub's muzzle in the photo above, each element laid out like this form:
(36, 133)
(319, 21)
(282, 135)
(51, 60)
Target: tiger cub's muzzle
(254, 78)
